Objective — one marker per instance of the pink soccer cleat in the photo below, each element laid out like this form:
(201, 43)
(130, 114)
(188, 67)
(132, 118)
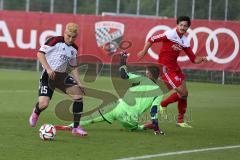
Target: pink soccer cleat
(79, 131)
(33, 119)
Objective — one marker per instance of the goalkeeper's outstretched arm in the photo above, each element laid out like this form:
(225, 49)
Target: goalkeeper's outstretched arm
(124, 74)
(123, 66)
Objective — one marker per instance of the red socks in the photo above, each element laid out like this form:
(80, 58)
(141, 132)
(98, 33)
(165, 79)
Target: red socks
(172, 98)
(148, 125)
(182, 106)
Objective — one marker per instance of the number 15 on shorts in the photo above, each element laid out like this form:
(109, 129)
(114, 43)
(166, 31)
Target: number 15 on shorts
(44, 89)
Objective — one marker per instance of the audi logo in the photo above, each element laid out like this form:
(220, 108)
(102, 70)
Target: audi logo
(212, 36)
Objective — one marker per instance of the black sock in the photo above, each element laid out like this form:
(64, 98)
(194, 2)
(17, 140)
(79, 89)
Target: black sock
(37, 109)
(77, 109)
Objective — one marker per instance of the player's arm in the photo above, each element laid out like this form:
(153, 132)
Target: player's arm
(45, 49)
(200, 59)
(148, 44)
(193, 58)
(143, 52)
(73, 64)
(123, 66)
(76, 76)
(42, 59)
(124, 74)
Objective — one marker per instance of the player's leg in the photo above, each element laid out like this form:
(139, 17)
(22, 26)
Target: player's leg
(182, 105)
(99, 116)
(76, 93)
(154, 122)
(182, 102)
(176, 81)
(128, 120)
(172, 81)
(45, 94)
(41, 105)
(107, 117)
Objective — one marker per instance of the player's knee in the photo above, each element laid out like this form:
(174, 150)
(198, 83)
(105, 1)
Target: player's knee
(43, 104)
(183, 94)
(77, 97)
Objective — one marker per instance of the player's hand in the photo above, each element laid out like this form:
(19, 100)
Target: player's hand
(205, 59)
(140, 55)
(201, 59)
(51, 74)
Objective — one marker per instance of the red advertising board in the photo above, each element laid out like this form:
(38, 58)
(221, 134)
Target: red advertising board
(21, 35)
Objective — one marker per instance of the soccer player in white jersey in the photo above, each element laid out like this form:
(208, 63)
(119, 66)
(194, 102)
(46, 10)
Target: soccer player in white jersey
(173, 42)
(59, 55)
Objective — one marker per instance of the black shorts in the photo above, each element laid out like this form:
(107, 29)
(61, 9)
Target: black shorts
(62, 81)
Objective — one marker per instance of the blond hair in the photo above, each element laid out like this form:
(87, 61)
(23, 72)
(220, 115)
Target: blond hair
(72, 28)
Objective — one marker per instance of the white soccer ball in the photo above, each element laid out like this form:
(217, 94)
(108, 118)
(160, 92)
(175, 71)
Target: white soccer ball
(47, 132)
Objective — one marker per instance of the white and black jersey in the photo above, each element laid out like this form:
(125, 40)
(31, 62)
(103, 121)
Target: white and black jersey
(58, 54)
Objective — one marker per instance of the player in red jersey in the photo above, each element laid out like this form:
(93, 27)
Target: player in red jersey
(173, 42)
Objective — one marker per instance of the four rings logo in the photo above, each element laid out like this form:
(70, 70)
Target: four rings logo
(212, 36)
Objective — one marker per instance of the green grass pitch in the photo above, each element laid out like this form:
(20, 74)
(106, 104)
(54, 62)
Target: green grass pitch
(215, 116)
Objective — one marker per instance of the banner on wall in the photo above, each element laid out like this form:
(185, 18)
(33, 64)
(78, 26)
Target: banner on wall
(21, 35)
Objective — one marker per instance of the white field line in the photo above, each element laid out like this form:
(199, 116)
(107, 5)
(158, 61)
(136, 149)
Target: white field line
(17, 91)
(26, 91)
(181, 152)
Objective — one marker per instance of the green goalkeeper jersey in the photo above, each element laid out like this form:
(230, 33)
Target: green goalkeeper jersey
(137, 99)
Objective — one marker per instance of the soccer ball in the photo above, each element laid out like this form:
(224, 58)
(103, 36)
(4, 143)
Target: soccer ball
(47, 132)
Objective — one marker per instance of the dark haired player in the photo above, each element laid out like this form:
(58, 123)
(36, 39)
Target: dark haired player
(173, 42)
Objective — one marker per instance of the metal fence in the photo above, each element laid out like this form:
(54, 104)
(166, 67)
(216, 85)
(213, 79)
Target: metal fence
(196, 9)
(220, 77)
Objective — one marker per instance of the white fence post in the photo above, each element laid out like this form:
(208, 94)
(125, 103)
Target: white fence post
(1, 4)
(97, 7)
(51, 6)
(193, 8)
(97, 68)
(74, 6)
(138, 7)
(175, 8)
(223, 77)
(157, 7)
(118, 6)
(37, 65)
(210, 10)
(226, 10)
(27, 5)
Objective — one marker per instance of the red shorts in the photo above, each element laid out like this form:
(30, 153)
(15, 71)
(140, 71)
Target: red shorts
(172, 79)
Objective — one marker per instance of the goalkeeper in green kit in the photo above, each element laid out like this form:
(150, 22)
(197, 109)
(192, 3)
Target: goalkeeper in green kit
(144, 94)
